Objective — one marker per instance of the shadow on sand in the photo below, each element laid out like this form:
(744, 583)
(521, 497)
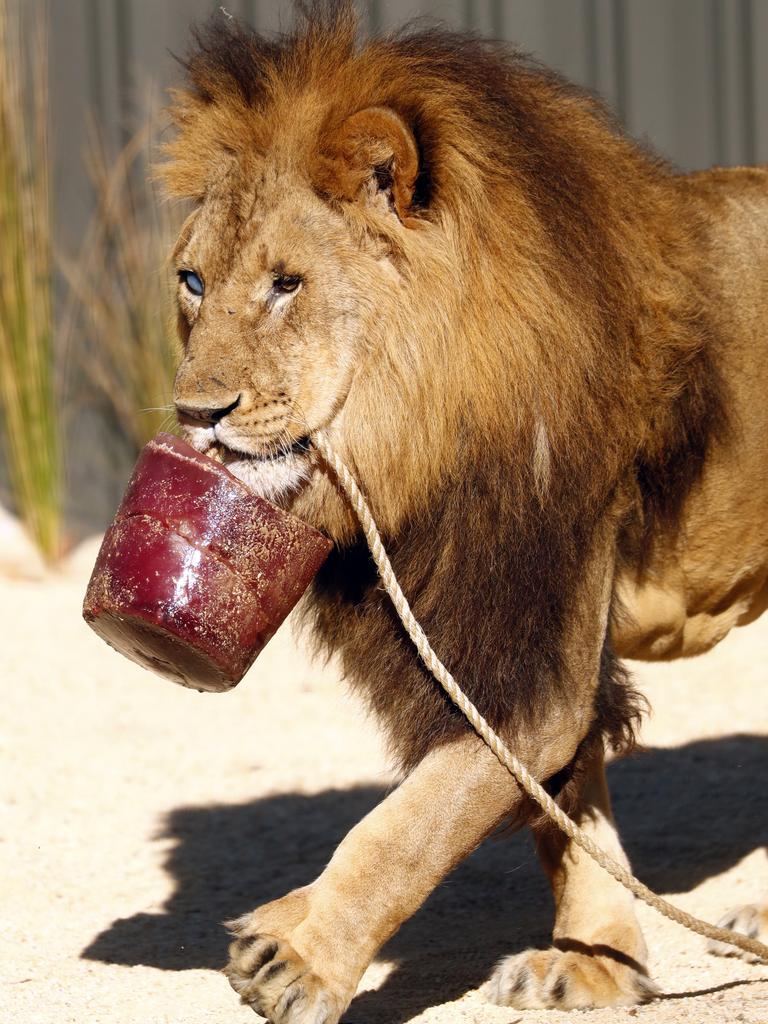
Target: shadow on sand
(685, 814)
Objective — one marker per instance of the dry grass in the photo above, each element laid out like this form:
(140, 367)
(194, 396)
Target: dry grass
(28, 400)
(125, 288)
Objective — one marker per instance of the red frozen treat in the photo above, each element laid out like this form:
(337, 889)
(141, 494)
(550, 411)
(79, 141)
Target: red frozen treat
(196, 572)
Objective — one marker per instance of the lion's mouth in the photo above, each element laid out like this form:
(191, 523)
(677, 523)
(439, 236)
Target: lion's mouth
(275, 453)
(274, 470)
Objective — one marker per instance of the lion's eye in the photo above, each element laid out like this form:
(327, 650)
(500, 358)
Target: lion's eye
(284, 284)
(193, 282)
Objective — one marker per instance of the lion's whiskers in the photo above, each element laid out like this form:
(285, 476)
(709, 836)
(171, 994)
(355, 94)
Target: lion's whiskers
(300, 418)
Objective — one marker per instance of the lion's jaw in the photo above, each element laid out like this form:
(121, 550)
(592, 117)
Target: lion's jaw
(264, 368)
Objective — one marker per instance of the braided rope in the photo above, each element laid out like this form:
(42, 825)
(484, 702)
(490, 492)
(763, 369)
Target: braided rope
(526, 781)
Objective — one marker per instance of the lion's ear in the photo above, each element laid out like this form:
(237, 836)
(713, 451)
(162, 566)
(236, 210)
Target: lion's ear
(372, 154)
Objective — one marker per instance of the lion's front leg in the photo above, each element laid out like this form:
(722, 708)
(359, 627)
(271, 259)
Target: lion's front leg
(598, 956)
(299, 960)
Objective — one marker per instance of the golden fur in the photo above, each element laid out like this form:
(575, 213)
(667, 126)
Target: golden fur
(583, 237)
(520, 331)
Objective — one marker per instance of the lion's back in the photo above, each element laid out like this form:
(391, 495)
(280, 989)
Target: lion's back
(715, 576)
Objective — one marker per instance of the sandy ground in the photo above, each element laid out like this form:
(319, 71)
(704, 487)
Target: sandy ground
(136, 816)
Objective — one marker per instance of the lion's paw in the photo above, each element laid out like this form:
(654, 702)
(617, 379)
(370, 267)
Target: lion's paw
(553, 979)
(751, 920)
(271, 978)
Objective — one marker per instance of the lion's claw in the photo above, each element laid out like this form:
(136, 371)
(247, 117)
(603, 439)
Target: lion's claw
(271, 978)
(751, 919)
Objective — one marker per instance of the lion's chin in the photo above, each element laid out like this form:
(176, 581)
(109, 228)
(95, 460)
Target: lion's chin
(276, 479)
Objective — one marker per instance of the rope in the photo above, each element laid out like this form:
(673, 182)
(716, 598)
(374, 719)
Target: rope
(518, 770)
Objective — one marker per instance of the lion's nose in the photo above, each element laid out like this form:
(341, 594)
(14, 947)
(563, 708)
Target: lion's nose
(206, 413)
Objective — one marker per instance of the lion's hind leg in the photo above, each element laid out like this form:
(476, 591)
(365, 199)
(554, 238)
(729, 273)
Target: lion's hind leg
(598, 954)
(569, 979)
(750, 919)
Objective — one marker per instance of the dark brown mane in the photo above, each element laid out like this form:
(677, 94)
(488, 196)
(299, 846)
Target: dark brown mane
(577, 378)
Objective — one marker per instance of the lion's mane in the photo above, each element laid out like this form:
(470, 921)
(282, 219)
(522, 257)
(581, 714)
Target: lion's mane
(552, 359)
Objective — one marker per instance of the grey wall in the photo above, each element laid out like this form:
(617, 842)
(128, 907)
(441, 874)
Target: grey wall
(690, 75)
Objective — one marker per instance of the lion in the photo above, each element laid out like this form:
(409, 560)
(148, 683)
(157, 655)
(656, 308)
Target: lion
(542, 352)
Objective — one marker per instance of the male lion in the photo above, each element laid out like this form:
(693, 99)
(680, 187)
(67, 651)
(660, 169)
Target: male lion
(523, 333)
